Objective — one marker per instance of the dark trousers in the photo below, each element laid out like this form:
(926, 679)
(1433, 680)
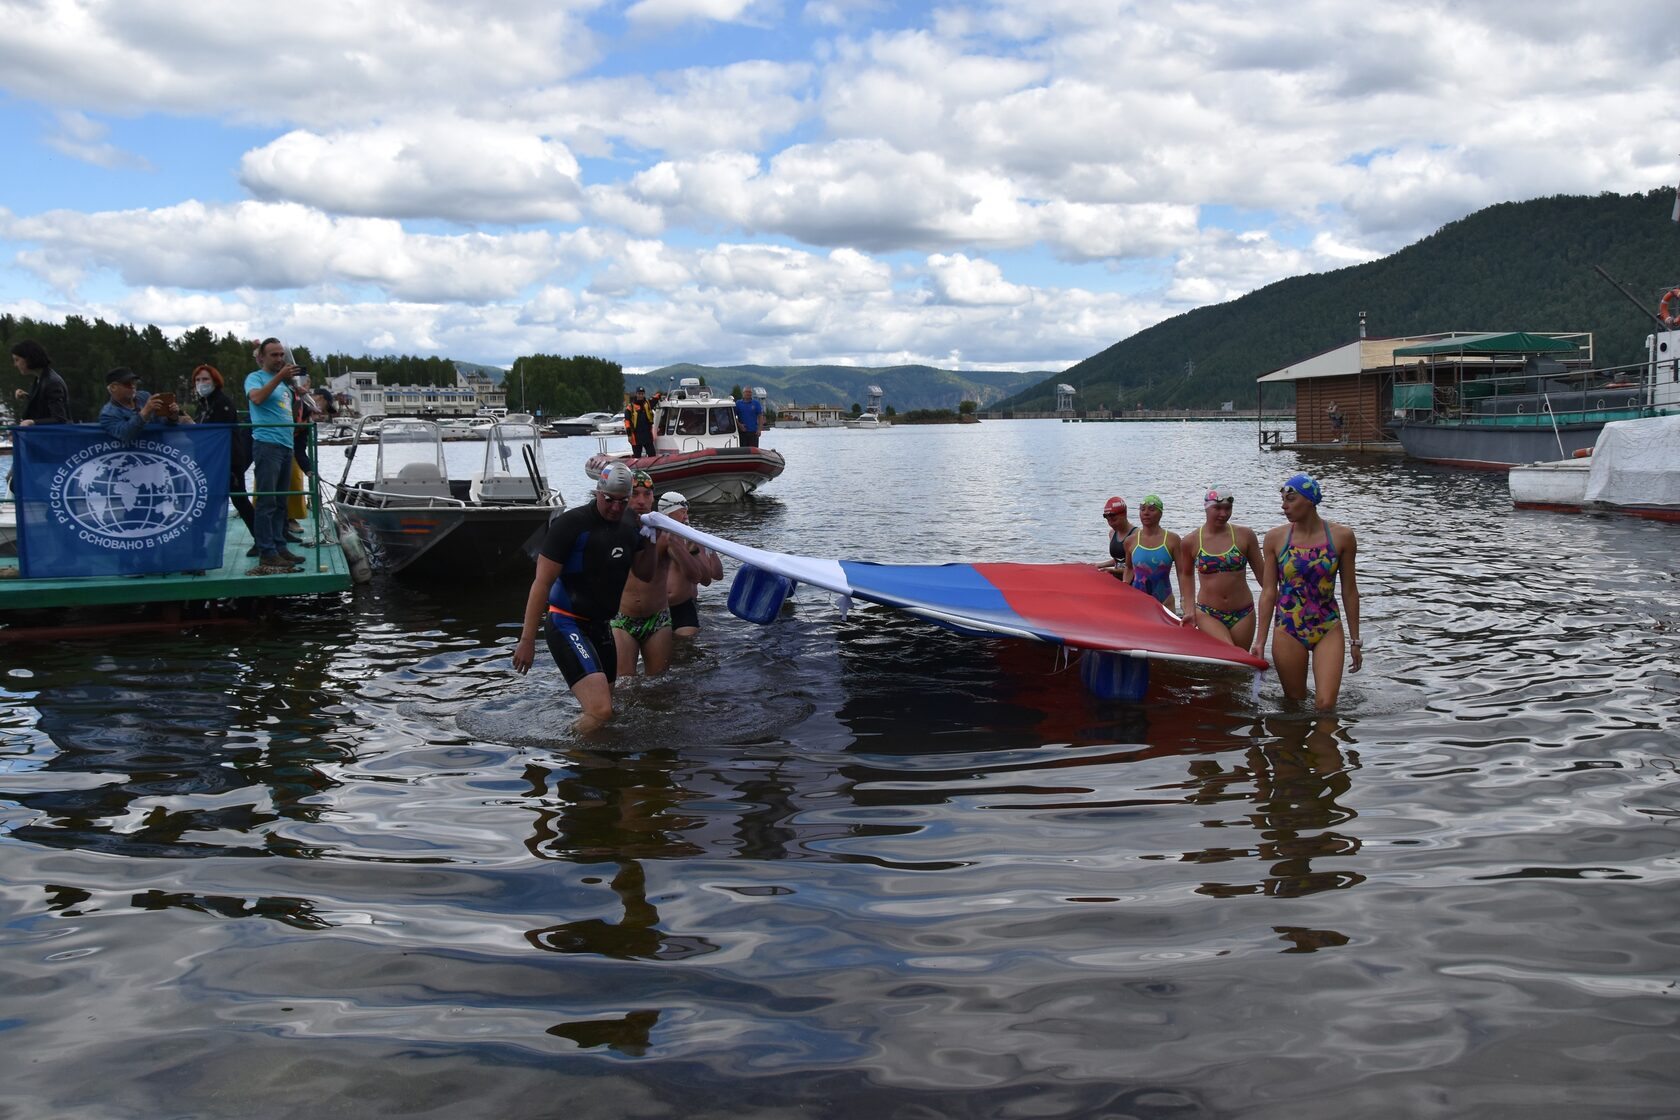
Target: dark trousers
(641, 442)
(749, 439)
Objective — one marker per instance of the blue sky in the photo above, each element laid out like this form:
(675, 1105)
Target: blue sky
(1010, 184)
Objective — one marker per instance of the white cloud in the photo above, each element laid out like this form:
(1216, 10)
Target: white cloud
(317, 61)
(285, 245)
(668, 13)
(81, 137)
(978, 283)
(449, 168)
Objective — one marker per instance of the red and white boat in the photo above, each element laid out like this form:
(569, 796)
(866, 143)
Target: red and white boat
(696, 451)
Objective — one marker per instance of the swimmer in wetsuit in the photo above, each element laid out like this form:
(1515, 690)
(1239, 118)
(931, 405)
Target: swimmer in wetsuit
(1120, 531)
(1151, 555)
(588, 554)
(1219, 558)
(682, 587)
(1303, 560)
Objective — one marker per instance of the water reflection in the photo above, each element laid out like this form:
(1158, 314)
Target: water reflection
(868, 864)
(1293, 780)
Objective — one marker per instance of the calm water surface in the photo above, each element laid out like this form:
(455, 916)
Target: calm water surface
(346, 863)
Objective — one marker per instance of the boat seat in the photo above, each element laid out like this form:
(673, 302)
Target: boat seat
(422, 480)
(503, 488)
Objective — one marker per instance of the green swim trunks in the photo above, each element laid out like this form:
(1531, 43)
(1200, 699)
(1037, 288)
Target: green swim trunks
(642, 629)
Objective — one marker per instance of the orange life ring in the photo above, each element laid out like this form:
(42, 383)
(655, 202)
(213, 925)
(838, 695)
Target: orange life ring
(1671, 316)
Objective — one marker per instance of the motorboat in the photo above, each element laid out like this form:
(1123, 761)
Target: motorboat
(869, 420)
(1633, 468)
(696, 451)
(419, 523)
(585, 423)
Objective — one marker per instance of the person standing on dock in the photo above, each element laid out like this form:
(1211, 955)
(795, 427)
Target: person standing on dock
(1120, 530)
(1334, 412)
(638, 424)
(47, 401)
(1303, 559)
(748, 414)
(589, 553)
(683, 585)
(216, 407)
(268, 390)
(131, 408)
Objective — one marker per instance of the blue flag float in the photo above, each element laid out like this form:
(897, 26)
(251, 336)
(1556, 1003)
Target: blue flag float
(89, 505)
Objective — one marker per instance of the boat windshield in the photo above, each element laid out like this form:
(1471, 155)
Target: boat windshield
(504, 451)
(412, 445)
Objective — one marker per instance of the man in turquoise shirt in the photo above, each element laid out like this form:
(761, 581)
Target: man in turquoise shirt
(268, 390)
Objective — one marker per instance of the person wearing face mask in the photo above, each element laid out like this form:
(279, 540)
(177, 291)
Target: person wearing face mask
(213, 406)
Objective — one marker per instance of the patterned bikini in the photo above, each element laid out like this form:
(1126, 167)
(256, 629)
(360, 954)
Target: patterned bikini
(1306, 607)
(1231, 560)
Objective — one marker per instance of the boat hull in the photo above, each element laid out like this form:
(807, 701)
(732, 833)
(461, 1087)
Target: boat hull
(717, 474)
(420, 542)
(1559, 486)
(1493, 446)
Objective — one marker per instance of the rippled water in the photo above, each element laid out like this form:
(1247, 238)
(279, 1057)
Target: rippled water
(345, 863)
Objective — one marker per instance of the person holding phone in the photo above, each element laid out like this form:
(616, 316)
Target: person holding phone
(268, 390)
(131, 408)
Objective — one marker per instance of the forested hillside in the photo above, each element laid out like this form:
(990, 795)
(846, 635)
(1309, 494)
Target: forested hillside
(906, 387)
(1514, 266)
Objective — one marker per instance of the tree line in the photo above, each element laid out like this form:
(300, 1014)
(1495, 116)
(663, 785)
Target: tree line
(84, 351)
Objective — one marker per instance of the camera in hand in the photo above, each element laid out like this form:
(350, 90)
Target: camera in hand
(166, 401)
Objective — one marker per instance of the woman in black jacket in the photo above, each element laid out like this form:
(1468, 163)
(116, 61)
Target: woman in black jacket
(216, 407)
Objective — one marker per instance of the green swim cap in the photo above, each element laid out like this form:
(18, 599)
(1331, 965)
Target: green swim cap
(1151, 500)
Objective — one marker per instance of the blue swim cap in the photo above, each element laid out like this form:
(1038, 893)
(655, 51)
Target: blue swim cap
(1305, 485)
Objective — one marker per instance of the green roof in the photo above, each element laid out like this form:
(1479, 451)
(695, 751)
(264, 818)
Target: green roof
(1513, 342)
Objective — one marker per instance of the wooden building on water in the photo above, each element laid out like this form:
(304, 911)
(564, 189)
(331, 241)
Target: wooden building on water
(1355, 384)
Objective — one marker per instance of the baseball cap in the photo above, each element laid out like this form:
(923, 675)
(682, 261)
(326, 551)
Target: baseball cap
(672, 500)
(1114, 505)
(122, 375)
(1305, 485)
(1216, 495)
(615, 480)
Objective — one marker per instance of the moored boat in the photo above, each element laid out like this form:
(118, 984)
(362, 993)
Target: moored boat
(1496, 401)
(1634, 468)
(696, 450)
(419, 523)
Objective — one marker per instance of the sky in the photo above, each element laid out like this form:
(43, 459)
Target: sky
(1015, 184)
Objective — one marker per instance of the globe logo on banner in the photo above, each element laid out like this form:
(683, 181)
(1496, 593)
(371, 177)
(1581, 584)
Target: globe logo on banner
(131, 495)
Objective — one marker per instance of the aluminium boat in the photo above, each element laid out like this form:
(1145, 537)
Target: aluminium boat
(418, 523)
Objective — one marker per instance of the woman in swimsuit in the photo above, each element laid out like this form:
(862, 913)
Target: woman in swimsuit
(1151, 564)
(1303, 559)
(1220, 556)
(1119, 530)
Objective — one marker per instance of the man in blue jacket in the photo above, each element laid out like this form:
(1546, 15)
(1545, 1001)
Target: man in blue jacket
(131, 408)
(748, 412)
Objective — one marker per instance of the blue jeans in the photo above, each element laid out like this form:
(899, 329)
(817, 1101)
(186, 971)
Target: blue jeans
(274, 472)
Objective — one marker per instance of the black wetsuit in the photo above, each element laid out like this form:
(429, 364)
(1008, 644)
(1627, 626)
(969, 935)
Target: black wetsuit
(594, 555)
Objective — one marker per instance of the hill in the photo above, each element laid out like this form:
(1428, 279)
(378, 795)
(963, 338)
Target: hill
(906, 387)
(1513, 266)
